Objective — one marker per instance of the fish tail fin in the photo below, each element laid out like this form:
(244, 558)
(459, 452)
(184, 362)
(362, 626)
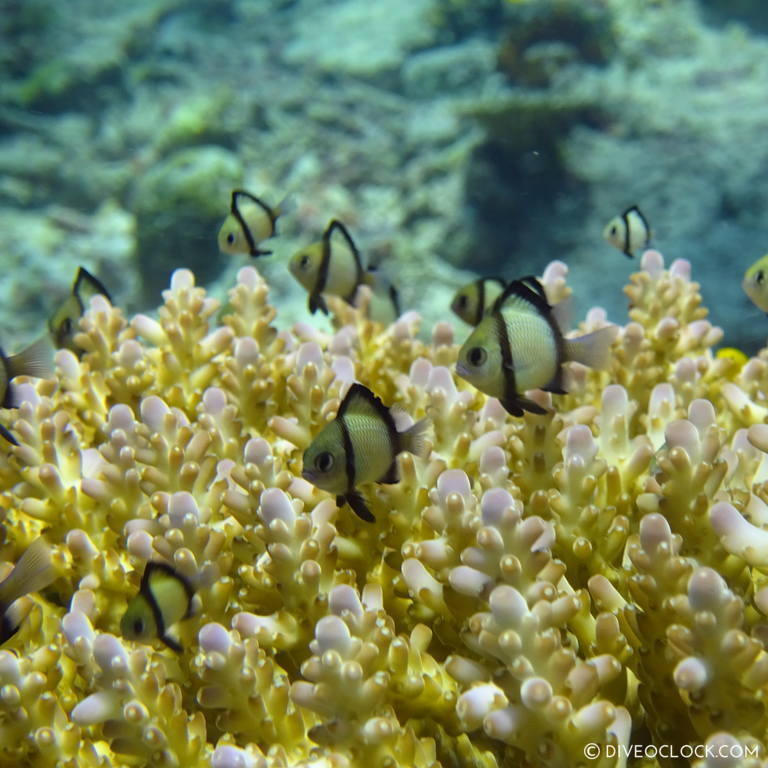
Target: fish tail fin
(36, 360)
(414, 439)
(594, 349)
(288, 204)
(34, 571)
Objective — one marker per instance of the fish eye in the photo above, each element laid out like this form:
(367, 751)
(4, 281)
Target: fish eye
(476, 356)
(462, 302)
(324, 461)
(138, 626)
(304, 261)
(66, 326)
(231, 238)
(759, 277)
(613, 230)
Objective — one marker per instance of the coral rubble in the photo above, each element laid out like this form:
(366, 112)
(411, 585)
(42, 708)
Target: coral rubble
(591, 578)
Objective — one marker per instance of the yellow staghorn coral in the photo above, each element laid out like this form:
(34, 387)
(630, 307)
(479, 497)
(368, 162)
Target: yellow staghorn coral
(585, 587)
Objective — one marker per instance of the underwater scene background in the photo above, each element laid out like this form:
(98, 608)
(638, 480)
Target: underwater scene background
(448, 135)
(238, 534)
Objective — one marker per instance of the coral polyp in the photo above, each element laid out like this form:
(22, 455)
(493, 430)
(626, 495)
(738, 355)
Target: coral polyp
(536, 591)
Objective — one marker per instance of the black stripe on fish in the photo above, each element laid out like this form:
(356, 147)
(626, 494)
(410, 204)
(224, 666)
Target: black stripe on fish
(530, 290)
(8, 401)
(315, 299)
(145, 588)
(337, 225)
(509, 396)
(625, 219)
(359, 392)
(252, 248)
(349, 455)
(480, 301)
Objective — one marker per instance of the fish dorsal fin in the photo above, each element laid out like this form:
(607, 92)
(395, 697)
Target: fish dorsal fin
(526, 294)
(235, 211)
(85, 286)
(360, 400)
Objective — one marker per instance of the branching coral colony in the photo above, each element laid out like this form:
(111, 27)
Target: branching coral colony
(593, 576)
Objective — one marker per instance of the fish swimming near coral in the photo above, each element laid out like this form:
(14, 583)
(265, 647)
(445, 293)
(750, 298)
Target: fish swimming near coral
(33, 571)
(63, 323)
(629, 232)
(332, 265)
(755, 283)
(36, 360)
(359, 446)
(473, 300)
(519, 346)
(165, 597)
(250, 222)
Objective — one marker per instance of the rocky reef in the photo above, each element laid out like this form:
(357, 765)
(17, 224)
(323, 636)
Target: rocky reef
(538, 591)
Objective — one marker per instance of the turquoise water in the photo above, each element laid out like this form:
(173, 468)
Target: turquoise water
(451, 137)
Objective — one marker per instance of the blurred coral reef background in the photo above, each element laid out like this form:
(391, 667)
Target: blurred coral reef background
(487, 135)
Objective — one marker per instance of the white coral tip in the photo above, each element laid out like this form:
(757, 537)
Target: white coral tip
(214, 638)
(228, 756)
(706, 589)
(96, 708)
(468, 581)
(345, 598)
(535, 692)
(738, 536)
(453, 481)
(331, 634)
(275, 505)
(508, 605)
(474, 705)
(691, 674)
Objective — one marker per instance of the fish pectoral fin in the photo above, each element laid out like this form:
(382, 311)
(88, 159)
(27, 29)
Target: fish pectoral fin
(532, 407)
(511, 406)
(360, 508)
(316, 301)
(171, 642)
(391, 476)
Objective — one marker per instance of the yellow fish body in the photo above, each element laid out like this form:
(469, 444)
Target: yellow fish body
(250, 222)
(359, 446)
(518, 346)
(629, 232)
(165, 597)
(755, 283)
(473, 300)
(333, 265)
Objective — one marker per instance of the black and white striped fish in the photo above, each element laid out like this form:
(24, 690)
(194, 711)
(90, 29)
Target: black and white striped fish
(359, 446)
(519, 346)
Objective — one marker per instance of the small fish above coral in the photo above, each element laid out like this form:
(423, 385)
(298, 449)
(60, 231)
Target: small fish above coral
(473, 300)
(63, 322)
(331, 265)
(519, 346)
(250, 222)
(629, 232)
(33, 571)
(755, 283)
(359, 446)
(165, 598)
